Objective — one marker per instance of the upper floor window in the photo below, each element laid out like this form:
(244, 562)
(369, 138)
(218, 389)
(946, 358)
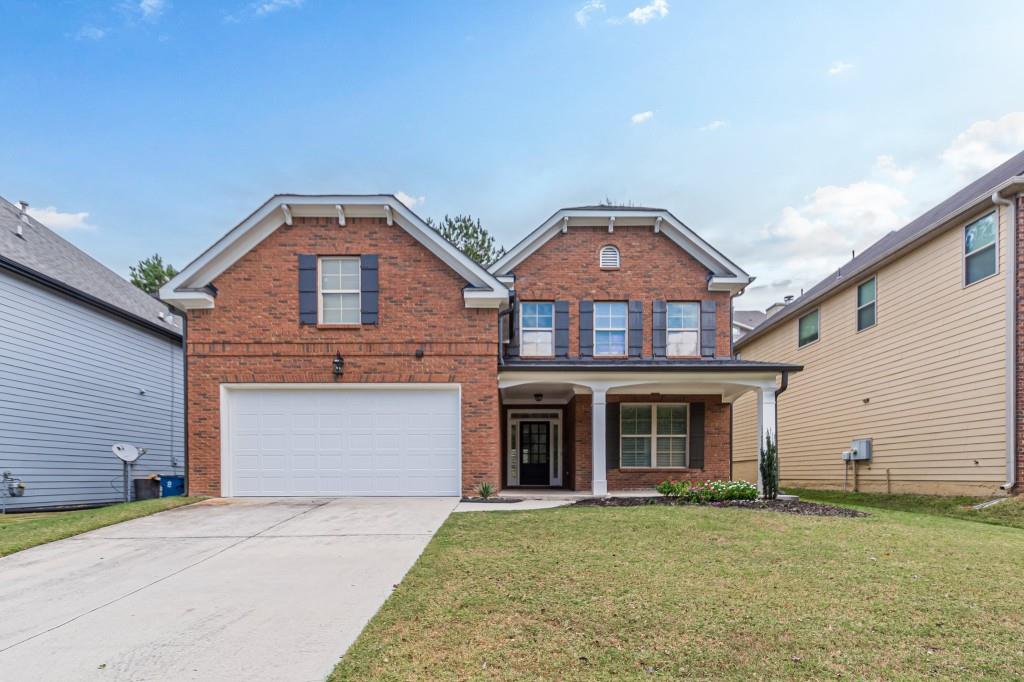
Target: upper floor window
(537, 329)
(807, 328)
(609, 258)
(980, 259)
(867, 296)
(683, 330)
(653, 435)
(610, 328)
(339, 290)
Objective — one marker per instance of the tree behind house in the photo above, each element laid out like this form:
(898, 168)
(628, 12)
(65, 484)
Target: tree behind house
(150, 273)
(470, 237)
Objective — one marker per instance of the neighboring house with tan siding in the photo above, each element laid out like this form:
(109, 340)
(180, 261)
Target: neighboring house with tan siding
(912, 345)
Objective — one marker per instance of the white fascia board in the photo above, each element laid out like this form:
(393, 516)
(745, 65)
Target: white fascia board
(679, 233)
(612, 380)
(733, 285)
(270, 216)
(484, 298)
(186, 300)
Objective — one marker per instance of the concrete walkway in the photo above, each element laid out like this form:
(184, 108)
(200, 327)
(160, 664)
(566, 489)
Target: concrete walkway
(273, 589)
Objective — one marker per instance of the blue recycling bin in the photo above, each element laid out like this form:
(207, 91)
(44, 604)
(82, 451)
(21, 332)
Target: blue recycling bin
(171, 486)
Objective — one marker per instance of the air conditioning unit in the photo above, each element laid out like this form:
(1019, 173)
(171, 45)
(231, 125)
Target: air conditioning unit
(860, 450)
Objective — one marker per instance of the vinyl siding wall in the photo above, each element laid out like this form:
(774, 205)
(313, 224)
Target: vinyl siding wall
(70, 380)
(933, 371)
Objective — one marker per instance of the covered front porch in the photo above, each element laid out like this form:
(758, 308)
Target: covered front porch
(593, 427)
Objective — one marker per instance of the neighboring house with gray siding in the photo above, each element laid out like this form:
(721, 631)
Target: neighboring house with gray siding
(86, 360)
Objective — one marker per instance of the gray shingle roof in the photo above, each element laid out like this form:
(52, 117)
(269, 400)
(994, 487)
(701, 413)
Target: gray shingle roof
(45, 252)
(894, 241)
(749, 318)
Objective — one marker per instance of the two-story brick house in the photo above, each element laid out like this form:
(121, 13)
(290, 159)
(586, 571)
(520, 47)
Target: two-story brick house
(337, 345)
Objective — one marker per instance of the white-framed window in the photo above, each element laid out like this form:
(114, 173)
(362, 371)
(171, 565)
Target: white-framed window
(609, 258)
(339, 290)
(807, 329)
(682, 337)
(536, 329)
(654, 436)
(867, 297)
(980, 254)
(610, 328)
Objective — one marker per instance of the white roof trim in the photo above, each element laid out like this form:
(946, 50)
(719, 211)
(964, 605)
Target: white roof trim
(484, 290)
(728, 275)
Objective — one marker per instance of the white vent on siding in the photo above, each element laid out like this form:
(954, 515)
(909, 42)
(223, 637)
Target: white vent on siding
(609, 257)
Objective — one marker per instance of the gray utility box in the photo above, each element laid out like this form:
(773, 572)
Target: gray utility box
(859, 451)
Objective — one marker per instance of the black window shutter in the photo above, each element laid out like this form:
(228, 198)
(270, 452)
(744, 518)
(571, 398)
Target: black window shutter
(513, 330)
(696, 436)
(660, 337)
(307, 289)
(636, 328)
(561, 329)
(611, 430)
(586, 329)
(707, 329)
(369, 288)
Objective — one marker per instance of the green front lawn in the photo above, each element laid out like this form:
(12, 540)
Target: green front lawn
(1009, 512)
(699, 592)
(21, 531)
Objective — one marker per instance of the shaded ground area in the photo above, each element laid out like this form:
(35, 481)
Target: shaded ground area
(586, 593)
(1009, 512)
(21, 531)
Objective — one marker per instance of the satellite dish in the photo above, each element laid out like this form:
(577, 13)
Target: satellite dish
(125, 452)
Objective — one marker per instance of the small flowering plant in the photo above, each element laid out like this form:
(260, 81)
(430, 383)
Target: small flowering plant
(708, 491)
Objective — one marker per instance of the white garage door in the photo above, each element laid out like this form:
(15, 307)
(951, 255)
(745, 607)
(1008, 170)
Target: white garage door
(343, 441)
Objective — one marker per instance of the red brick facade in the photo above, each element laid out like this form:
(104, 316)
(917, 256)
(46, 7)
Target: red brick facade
(253, 335)
(716, 445)
(652, 267)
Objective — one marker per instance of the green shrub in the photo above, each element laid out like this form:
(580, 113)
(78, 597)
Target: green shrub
(485, 490)
(708, 491)
(770, 467)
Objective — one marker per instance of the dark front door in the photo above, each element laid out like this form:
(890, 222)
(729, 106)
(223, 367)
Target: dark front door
(534, 453)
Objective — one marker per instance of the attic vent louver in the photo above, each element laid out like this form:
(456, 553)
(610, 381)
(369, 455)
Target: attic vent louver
(609, 258)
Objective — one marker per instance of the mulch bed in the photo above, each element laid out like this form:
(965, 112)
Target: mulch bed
(490, 500)
(786, 507)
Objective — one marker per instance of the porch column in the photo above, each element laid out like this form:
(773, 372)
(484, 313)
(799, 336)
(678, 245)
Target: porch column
(599, 484)
(765, 426)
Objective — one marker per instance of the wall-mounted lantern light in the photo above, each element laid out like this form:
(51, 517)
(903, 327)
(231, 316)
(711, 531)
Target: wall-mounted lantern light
(338, 364)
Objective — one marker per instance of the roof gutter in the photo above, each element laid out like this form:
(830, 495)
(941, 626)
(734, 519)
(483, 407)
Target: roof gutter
(1011, 342)
(89, 299)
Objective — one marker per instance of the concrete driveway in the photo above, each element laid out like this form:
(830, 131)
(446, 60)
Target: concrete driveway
(273, 589)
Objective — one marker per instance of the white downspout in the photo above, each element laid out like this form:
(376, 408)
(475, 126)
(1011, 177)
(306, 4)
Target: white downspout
(1011, 340)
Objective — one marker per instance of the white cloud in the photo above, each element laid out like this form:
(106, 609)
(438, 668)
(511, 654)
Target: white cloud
(641, 117)
(57, 220)
(90, 32)
(151, 9)
(590, 7)
(839, 68)
(714, 125)
(409, 200)
(886, 166)
(811, 239)
(656, 9)
(270, 6)
(986, 144)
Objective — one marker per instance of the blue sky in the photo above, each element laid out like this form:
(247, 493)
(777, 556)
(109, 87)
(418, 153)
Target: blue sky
(785, 133)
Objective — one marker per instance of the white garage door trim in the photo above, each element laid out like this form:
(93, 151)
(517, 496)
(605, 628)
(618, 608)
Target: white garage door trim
(226, 391)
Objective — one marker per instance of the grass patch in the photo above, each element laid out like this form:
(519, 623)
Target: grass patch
(1010, 512)
(21, 531)
(580, 593)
